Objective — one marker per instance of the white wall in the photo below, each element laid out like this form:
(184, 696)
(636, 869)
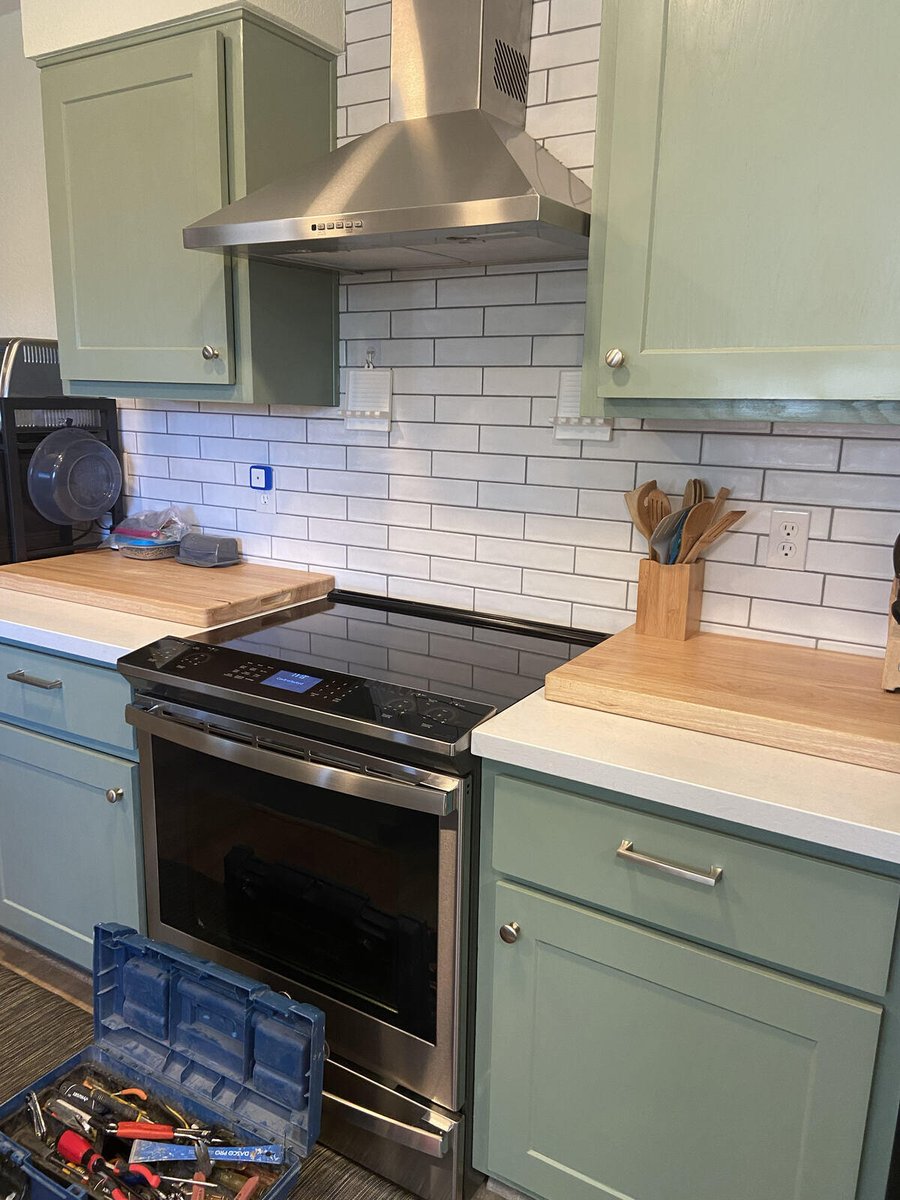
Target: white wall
(26, 282)
(51, 25)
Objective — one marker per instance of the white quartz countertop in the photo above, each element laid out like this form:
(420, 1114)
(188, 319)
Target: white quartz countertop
(99, 634)
(813, 799)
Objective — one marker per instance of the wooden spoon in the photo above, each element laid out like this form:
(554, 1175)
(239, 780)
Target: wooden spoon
(636, 503)
(698, 521)
(713, 532)
(658, 507)
(693, 493)
(719, 503)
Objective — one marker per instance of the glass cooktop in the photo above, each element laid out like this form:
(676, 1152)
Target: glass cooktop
(486, 660)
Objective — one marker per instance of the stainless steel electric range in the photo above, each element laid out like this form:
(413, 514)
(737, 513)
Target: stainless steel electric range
(309, 806)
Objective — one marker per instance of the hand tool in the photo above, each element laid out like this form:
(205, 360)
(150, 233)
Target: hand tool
(155, 1152)
(120, 1108)
(185, 1182)
(135, 1174)
(70, 1115)
(248, 1189)
(74, 1148)
(37, 1116)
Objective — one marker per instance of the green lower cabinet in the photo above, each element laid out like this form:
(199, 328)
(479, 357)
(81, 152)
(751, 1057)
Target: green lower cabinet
(69, 842)
(630, 1064)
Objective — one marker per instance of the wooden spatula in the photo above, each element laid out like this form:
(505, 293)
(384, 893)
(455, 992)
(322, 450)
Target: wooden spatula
(636, 503)
(698, 521)
(713, 532)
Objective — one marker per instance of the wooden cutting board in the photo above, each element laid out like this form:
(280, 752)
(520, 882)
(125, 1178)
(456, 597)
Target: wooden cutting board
(164, 588)
(818, 702)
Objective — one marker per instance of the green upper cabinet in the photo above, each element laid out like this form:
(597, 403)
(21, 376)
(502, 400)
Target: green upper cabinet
(744, 211)
(144, 136)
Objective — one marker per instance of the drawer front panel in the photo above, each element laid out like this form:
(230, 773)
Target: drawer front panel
(818, 918)
(89, 703)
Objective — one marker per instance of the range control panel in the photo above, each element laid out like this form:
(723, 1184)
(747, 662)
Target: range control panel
(265, 682)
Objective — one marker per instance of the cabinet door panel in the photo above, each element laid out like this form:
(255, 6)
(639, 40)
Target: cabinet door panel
(629, 1064)
(135, 142)
(747, 199)
(68, 857)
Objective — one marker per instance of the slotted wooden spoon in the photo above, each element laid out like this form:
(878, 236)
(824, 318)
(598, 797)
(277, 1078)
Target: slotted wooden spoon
(714, 532)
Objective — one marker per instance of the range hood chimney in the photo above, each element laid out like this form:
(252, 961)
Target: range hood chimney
(453, 179)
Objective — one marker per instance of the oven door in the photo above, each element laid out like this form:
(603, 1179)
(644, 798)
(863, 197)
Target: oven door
(326, 872)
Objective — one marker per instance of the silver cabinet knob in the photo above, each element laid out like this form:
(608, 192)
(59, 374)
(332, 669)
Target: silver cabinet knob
(209, 352)
(114, 795)
(509, 932)
(615, 358)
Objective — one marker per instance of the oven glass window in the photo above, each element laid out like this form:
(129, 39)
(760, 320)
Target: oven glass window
(336, 892)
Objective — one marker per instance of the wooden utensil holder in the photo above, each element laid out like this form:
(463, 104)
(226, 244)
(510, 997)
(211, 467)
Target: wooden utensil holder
(890, 680)
(669, 599)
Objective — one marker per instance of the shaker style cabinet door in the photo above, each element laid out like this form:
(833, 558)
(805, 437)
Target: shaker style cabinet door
(625, 1063)
(135, 146)
(745, 204)
(69, 842)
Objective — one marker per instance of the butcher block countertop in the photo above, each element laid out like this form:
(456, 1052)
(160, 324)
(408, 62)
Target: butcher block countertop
(164, 588)
(95, 634)
(814, 701)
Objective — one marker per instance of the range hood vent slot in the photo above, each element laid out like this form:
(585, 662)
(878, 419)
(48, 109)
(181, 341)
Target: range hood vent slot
(510, 71)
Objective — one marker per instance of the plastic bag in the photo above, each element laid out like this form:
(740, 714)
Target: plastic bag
(165, 527)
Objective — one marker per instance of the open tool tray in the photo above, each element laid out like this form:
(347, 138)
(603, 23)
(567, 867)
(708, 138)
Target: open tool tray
(218, 1047)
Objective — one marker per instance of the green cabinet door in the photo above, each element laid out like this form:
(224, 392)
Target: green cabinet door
(745, 208)
(69, 857)
(135, 145)
(623, 1063)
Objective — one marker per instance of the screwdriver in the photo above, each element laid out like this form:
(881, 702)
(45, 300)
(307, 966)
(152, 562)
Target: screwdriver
(74, 1148)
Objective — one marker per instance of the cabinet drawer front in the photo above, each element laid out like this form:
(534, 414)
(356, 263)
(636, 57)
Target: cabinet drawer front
(625, 1063)
(68, 857)
(824, 920)
(89, 703)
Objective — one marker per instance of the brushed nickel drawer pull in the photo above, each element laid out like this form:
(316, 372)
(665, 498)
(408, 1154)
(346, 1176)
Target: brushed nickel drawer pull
(710, 877)
(34, 680)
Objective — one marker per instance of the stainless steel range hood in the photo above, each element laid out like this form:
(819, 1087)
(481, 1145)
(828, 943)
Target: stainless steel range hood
(452, 180)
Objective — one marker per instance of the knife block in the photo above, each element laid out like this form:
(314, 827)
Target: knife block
(669, 599)
(890, 680)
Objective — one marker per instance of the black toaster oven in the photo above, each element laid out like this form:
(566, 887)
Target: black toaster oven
(32, 405)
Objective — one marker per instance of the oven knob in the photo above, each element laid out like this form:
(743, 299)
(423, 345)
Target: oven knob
(509, 933)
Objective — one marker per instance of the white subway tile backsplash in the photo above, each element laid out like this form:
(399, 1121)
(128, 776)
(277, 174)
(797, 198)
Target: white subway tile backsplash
(814, 454)
(486, 290)
(866, 595)
(528, 499)
(500, 468)
(859, 525)
(471, 500)
(481, 521)
(390, 512)
(520, 553)
(849, 491)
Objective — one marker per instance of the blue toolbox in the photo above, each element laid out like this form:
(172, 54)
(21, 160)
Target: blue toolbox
(199, 1083)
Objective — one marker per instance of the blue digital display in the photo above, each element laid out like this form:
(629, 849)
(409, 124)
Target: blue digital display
(292, 681)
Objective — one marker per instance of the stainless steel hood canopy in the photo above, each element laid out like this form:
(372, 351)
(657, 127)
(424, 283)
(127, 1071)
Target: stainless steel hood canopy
(452, 180)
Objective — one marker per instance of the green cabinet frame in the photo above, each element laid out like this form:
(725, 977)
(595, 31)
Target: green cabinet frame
(743, 209)
(146, 134)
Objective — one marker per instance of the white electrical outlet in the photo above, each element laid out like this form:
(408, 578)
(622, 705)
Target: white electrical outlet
(265, 501)
(788, 539)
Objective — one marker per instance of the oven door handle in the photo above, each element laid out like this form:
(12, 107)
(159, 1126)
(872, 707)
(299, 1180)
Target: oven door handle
(432, 1141)
(437, 801)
